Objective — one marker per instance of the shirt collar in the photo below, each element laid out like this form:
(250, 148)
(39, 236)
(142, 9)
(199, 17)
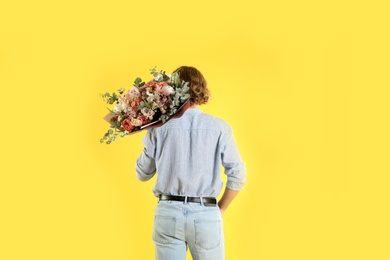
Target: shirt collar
(193, 110)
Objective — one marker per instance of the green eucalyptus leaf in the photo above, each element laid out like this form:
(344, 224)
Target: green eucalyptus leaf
(137, 81)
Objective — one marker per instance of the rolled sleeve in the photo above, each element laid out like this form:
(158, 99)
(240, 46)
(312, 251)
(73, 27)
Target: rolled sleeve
(145, 166)
(235, 168)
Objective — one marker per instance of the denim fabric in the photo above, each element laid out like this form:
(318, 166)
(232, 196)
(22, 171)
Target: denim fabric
(182, 225)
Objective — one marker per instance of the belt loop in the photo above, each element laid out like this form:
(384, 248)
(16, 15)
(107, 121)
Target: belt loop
(201, 201)
(185, 199)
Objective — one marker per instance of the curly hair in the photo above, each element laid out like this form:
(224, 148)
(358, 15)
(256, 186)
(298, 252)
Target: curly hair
(199, 92)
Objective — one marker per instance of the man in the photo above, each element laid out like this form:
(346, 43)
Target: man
(187, 153)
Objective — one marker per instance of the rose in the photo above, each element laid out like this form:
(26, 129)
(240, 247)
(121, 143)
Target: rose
(168, 90)
(159, 86)
(134, 104)
(136, 122)
(126, 124)
(144, 120)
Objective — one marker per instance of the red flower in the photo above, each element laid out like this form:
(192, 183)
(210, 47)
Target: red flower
(126, 124)
(151, 83)
(144, 120)
(135, 103)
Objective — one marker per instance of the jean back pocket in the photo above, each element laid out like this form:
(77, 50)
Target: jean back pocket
(208, 233)
(164, 229)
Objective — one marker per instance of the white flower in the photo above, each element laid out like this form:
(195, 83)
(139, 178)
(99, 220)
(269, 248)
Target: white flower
(150, 98)
(173, 77)
(120, 107)
(149, 93)
(168, 90)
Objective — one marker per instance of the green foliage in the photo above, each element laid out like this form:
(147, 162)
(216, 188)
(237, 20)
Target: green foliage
(153, 71)
(138, 82)
(175, 78)
(121, 91)
(110, 99)
(110, 136)
(164, 118)
(161, 75)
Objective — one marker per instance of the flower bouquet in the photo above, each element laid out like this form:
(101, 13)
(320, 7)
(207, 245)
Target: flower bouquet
(145, 105)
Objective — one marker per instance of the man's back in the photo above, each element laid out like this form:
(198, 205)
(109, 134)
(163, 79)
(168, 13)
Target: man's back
(187, 153)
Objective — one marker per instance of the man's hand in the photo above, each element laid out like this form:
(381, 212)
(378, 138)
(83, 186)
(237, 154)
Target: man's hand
(227, 197)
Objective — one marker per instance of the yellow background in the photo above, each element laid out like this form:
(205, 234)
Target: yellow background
(304, 84)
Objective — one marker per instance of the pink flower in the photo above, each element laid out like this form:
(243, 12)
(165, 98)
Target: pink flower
(126, 124)
(133, 94)
(161, 84)
(132, 112)
(136, 122)
(144, 120)
(168, 90)
(147, 112)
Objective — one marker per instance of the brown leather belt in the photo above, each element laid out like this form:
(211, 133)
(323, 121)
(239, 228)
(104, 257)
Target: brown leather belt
(207, 201)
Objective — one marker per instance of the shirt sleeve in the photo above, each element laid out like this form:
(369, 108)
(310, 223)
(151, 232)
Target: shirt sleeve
(232, 162)
(145, 166)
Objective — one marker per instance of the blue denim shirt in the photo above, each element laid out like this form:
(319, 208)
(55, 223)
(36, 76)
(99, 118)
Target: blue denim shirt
(187, 153)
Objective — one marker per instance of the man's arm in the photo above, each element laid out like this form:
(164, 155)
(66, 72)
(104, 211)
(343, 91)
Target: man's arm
(227, 197)
(234, 169)
(145, 166)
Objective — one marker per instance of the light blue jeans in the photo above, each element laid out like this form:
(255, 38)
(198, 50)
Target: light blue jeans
(179, 225)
